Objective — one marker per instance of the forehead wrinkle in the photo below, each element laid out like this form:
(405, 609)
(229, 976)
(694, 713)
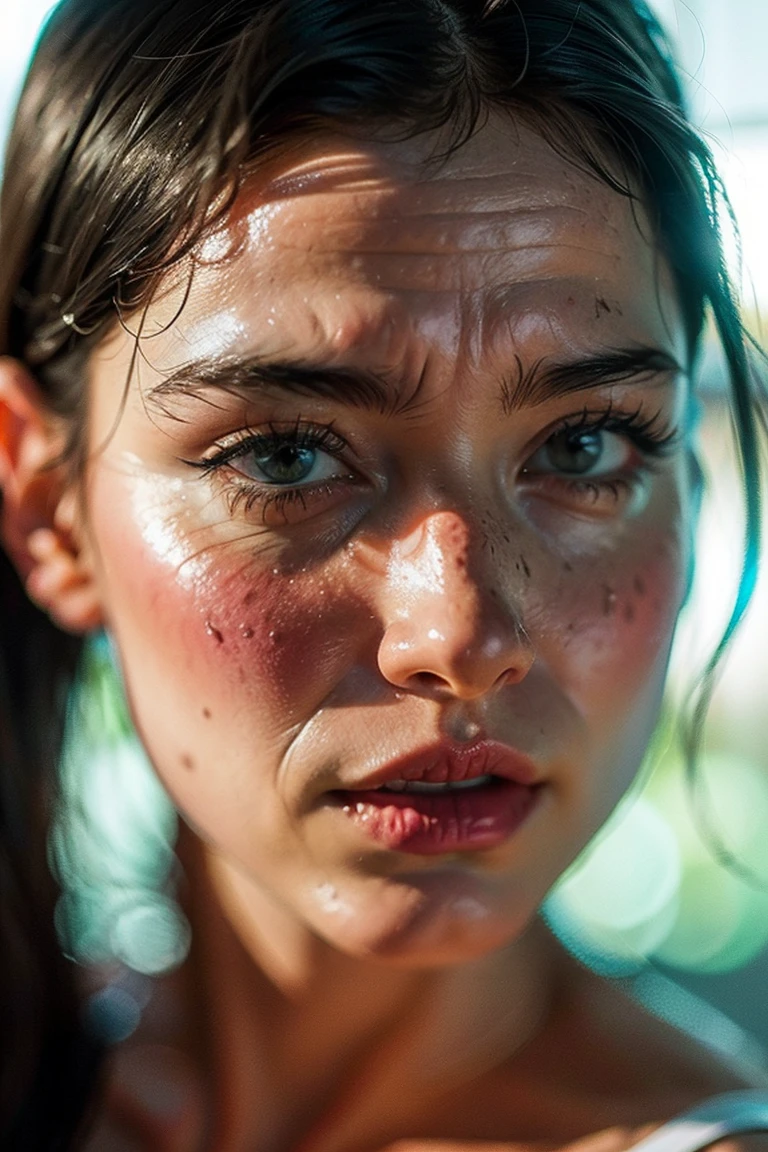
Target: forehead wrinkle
(505, 231)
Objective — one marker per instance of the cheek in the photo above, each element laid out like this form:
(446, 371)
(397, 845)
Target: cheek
(616, 623)
(220, 633)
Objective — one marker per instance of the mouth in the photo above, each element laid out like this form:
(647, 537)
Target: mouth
(445, 799)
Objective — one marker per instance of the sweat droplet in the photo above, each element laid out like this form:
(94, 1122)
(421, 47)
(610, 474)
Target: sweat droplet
(214, 632)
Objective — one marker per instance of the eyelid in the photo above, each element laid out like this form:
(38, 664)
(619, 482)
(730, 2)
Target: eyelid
(322, 437)
(654, 435)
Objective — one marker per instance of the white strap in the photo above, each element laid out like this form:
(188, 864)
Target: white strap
(716, 1118)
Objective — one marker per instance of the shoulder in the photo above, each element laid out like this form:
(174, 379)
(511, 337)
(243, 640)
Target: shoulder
(731, 1121)
(669, 1070)
(604, 1073)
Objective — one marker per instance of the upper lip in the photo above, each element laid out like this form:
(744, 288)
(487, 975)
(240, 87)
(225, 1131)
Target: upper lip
(447, 763)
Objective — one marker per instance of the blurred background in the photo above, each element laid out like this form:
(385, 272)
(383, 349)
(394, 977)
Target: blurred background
(650, 902)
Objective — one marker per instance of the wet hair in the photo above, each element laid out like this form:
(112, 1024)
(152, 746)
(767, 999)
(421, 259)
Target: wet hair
(138, 123)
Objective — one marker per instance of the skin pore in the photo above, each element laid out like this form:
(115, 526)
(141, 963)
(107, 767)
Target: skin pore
(404, 468)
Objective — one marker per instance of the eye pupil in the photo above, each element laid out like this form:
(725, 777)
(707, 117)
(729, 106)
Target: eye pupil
(573, 451)
(287, 464)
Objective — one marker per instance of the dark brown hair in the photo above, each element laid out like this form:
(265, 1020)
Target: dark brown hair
(137, 117)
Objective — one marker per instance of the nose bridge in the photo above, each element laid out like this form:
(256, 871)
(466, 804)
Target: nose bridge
(434, 558)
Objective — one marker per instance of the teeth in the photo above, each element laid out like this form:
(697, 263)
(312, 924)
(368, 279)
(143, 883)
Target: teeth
(423, 786)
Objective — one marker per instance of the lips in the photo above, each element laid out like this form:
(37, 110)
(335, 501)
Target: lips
(444, 799)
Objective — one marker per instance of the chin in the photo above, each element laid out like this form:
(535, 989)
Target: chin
(430, 920)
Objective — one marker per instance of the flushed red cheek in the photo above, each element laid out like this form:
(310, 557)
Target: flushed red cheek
(290, 637)
(242, 630)
(619, 622)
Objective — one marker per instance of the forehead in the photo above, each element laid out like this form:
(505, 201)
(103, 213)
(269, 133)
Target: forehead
(347, 247)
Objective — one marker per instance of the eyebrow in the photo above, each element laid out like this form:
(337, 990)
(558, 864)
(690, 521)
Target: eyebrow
(353, 387)
(524, 386)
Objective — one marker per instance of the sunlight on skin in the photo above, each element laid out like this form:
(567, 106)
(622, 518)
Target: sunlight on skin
(276, 632)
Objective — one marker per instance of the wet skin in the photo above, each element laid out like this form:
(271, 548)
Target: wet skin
(440, 561)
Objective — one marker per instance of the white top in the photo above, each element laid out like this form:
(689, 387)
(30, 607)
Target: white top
(731, 1114)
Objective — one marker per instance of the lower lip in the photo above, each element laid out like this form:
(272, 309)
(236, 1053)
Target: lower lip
(427, 825)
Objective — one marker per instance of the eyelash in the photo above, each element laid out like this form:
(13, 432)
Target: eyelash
(247, 494)
(648, 434)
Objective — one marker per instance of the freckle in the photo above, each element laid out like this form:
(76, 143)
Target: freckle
(187, 762)
(571, 626)
(526, 569)
(639, 585)
(629, 612)
(567, 567)
(609, 600)
(249, 596)
(214, 632)
(207, 713)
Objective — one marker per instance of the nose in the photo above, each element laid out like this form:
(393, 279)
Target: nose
(448, 633)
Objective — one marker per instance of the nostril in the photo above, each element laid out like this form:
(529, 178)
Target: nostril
(431, 684)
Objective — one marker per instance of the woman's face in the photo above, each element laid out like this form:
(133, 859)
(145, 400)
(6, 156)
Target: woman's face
(393, 530)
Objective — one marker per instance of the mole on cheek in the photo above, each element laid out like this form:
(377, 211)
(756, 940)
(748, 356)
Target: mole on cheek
(187, 762)
(206, 713)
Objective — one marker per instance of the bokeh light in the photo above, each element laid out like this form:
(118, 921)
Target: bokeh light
(112, 842)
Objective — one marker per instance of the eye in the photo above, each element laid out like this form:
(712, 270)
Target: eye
(581, 452)
(288, 464)
(288, 474)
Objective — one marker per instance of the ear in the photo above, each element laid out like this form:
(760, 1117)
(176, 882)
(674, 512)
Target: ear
(39, 518)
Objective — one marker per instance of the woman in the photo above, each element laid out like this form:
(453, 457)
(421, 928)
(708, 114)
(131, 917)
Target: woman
(346, 384)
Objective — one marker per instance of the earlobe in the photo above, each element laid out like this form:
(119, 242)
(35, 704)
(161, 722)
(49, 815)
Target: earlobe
(39, 515)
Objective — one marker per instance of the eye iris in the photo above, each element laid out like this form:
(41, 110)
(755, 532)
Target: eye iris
(287, 464)
(576, 452)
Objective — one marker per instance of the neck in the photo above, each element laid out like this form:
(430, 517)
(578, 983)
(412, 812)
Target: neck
(295, 1025)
